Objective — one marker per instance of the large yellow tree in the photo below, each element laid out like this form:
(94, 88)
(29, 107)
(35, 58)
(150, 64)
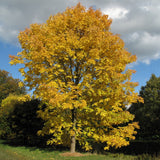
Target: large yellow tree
(77, 66)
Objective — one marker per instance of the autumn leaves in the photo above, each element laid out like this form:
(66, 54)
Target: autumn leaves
(75, 63)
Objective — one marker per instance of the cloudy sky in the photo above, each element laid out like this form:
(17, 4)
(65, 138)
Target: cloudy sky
(137, 21)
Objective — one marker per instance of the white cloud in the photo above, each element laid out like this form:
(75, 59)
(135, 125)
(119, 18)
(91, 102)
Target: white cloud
(16, 15)
(116, 12)
(144, 45)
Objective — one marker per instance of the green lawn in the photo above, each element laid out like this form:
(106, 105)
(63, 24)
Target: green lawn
(31, 153)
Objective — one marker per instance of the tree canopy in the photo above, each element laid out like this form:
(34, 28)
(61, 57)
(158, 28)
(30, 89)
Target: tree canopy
(78, 67)
(147, 113)
(9, 85)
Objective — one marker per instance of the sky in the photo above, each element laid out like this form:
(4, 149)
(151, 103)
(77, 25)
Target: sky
(137, 22)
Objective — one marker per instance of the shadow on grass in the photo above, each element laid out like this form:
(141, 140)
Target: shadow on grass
(135, 148)
(41, 146)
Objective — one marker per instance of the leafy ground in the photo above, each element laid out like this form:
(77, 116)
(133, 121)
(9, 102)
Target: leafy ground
(31, 153)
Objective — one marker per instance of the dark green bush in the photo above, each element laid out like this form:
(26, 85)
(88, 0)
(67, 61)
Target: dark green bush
(19, 122)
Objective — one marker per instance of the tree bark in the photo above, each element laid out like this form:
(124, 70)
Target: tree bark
(73, 144)
(73, 137)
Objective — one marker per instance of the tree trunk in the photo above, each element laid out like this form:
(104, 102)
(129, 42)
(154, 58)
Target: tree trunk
(73, 144)
(73, 137)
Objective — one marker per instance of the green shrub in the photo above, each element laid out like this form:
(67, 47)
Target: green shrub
(8, 105)
(27, 124)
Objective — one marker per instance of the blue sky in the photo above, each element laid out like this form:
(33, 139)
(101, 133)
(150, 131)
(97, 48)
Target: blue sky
(136, 21)
(7, 49)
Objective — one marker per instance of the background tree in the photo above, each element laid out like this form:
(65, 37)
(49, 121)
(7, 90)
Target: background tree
(26, 123)
(19, 122)
(9, 85)
(147, 113)
(7, 108)
(77, 66)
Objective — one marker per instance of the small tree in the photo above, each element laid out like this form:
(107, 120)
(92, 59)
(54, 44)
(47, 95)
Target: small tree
(147, 113)
(7, 108)
(9, 85)
(77, 66)
(26, 123)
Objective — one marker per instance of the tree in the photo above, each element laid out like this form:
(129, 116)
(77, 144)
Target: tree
(147, 113)
(77, 66)
(26, 123)
(7, 108)
(9, 85)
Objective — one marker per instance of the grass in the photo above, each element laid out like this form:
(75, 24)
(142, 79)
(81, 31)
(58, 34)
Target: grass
(8, 152)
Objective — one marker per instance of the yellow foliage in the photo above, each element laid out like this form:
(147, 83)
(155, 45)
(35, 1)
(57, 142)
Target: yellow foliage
(78, 67)
(8, 104)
